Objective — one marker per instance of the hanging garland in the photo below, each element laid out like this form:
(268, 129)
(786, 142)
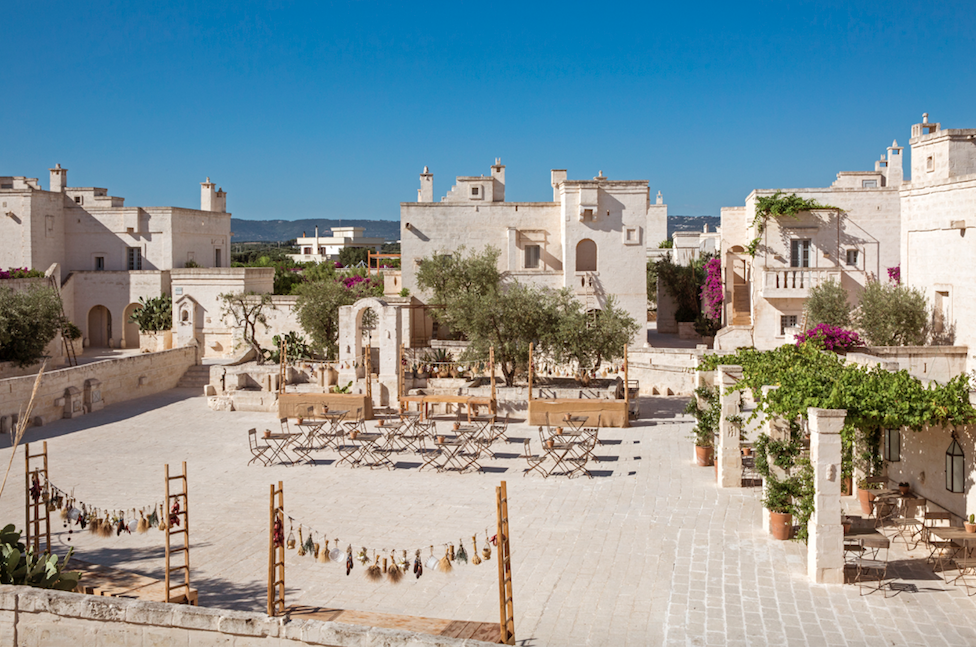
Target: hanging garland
(101, 522)
(390, 563)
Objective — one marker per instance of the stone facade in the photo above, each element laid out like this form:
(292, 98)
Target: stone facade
(592, 238)
(317, 249)
(108, 254)
(854, 241)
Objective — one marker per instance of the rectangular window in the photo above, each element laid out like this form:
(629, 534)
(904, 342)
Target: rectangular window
(474, 190)
(852, 257)
(99, 263)
(217, 262)
(800, 253)
(306, 250)
(786, 321)
(892, 445)
(134, 258)
(929, 163)
(532, 255)
(869, 184)
(78, 199)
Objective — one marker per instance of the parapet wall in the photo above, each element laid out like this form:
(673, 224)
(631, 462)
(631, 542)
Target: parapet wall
(107, 382)
(34, 617)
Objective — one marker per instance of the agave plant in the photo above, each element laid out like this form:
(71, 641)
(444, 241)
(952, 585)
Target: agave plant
(20, 565)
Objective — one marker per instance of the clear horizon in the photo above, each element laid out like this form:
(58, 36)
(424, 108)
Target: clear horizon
(306, 111)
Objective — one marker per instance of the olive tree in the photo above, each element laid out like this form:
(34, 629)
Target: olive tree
(827, 304)
(29, 320)
(589, 338)
(248, 310)
(892, 315)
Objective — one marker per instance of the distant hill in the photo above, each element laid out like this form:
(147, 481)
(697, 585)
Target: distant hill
(252, 231)
(692, 223)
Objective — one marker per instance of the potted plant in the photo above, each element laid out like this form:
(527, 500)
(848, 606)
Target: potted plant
(846, 522)
(971, 524)
(706, 408)
(865, 495)
(779, 502)
(904, 488)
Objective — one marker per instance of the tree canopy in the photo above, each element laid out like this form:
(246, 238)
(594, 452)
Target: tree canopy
(29, 320)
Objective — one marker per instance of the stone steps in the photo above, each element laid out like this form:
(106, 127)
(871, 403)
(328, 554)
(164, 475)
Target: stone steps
(196, 377)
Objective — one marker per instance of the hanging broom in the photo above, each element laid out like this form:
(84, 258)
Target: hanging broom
(462, 555)
(323, 555)
(393, 573)
(474, 553)
(373, 572)
(318, 550)
(404, 563)
(94, 523)
(106, 527)
(348, 559)
(444, 566)
(418, 566)
(143, 526)
(301, 542)
(450, 552)
(162, 517)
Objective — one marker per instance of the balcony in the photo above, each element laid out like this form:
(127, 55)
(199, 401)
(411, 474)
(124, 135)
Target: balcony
(795, 282)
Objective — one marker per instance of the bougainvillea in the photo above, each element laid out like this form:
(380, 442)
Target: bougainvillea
(712, 293)
(831, 338)
(20, 273)
(894, 274)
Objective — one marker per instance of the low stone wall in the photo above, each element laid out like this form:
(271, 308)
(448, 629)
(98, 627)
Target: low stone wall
(664, 371)
(69, 392)
(36, 617)
(939, 363)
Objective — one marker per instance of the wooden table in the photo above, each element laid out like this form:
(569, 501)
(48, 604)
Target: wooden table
(279, 445)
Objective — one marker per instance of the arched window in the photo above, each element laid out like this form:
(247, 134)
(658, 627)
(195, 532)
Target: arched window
(955, 468)
(586, 256)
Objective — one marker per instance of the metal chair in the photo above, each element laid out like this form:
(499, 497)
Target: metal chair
(534, 461)
(941, 551)
(355, 422)
(258, 451)
(874, 569)
(907, 524)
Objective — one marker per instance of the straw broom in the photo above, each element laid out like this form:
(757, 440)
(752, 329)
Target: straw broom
(22, 425)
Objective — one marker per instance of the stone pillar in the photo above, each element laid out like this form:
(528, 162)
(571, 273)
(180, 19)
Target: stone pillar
(727, 453)
(825, 547)
(73, 402)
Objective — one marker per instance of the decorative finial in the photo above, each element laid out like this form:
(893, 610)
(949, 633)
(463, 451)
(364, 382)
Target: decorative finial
(925, 117)
(426, 171)
(894, 143)
(208, 179)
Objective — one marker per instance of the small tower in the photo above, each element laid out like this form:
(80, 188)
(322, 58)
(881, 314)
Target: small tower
(894, 173)
(558, 177)
(208, 196)
(498, 175)
(426, 191)
(660, 198)
(59, 179)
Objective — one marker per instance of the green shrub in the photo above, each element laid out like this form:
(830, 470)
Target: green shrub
(827, 304)
(29, 320)
(892, 315)
(19, 565)
(155, 314)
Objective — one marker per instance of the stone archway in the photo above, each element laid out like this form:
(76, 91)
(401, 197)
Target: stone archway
(383, 337)
(130, 331)
(99, 327)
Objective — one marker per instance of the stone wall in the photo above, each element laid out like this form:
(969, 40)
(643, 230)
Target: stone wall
(111, 381)
(939, 363)
(664, 371)
(35, 617)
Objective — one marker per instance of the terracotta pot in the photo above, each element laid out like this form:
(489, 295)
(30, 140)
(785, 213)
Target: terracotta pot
(440, 440)
(747, 451)
(904, 489)
(847, 527)
(865, 497)
(970, 527)
(780, 525)
(559, 431)
(267, 434)
(353, 434)
(845, 487)
(457, 425)
(550, 443)
(301, 420)
(704, 455)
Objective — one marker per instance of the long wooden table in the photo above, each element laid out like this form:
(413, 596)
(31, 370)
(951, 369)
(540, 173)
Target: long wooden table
(470, 402)
(105, 580)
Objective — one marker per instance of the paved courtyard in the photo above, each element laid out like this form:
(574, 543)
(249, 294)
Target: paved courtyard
(648, 552)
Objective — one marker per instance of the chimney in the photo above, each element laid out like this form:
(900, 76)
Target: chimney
(660, 198)
(59, 179)
(894, 173)
(558, 177)
(208, 196)
(426, 191)
(220, 203)
(498, 175)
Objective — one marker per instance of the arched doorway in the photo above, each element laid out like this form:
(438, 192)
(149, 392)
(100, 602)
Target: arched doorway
(99, 327)
(586, 256)
(130, 335)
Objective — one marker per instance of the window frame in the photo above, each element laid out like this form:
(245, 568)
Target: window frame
(526, 254)
(783, 325)
(892, 440)
(800, 252)
(955, 467)
(856, 253)
(133, 258)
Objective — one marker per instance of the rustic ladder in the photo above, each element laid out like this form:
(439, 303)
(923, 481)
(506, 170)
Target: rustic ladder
(181, 520)
(38, 515)
(276, 553)
(69, 347)
(505, 599)
(282, 365)
(368, 365)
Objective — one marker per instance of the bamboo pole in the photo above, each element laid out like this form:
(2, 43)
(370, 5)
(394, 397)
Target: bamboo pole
(493, 407)
(530, 371)
(271, 547)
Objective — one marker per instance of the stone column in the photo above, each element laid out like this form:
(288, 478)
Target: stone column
(727, 453)
(825, 547)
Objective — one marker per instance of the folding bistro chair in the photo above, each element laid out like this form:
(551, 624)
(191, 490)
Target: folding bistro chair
(907, 524)
(870, 570)
(355, 422)
(258, 451)
(941, 551)
(534, 461)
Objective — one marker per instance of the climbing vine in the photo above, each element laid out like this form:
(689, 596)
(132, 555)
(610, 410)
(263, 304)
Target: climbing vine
(775, 206)
(875, 399)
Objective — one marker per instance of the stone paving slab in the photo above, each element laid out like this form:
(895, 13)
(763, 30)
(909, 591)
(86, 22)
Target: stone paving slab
(648, 553)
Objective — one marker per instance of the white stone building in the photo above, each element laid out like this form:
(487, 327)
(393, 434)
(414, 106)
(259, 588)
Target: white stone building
(938, 207)
(109, 254)
(321, 248)
(592, 237)
(851, 243)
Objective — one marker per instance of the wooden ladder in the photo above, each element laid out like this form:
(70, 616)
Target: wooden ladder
(38, 515)
(276, 552)
(505, 599)
(282, 365)
(69, 347)
(180, 518)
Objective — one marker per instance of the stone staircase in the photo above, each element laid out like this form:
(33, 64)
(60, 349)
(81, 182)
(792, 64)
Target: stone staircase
(196, 377)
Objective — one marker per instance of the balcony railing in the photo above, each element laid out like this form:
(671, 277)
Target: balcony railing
(795, 282)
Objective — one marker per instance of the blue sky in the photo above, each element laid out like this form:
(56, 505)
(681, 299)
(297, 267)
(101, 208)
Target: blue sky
(304, 110)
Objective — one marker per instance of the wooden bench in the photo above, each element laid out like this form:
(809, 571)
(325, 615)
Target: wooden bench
(485, 631)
